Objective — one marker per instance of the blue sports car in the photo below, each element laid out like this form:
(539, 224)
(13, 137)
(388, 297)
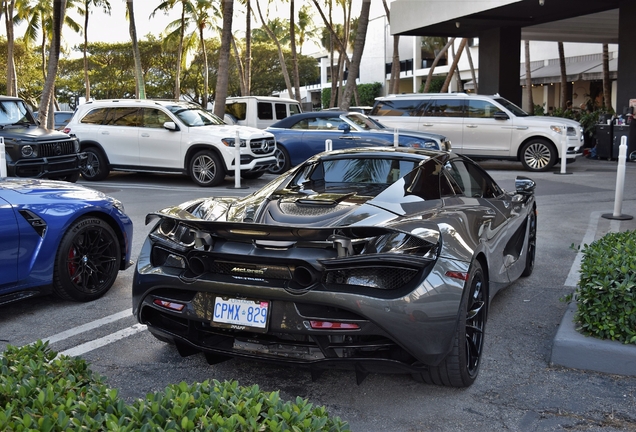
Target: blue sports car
(62, 238)
(301, 136)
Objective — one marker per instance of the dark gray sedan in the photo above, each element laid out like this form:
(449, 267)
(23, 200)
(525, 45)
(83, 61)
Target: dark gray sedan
(373, 259)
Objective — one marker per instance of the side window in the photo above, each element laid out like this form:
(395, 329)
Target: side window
(397, 107)
(444, 108)
(319, 123)
(472, 180)
(281, 110)
(96, 116)
(429, 183)
(294, 109)
(154, 118)
(237, 109)
(123, 116)
(265, 111)
(480, 109)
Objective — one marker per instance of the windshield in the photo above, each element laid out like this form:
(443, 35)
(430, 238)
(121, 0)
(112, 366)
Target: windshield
(193, 115)
(511, 107)
(14, 112)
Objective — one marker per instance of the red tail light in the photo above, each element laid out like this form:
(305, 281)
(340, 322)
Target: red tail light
(457, 275)
(169, 305)
(330, 325)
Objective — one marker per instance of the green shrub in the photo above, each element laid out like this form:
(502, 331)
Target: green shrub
(606, 294)
(40, 391)
(366, 94)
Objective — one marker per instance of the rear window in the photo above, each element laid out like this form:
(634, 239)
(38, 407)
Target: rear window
(397, 107)
(96, 116)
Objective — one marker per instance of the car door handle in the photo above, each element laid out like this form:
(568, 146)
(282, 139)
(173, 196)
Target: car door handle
(145, 134)
(105, 133)
(348, 137)
(471, 126)
(427, 124)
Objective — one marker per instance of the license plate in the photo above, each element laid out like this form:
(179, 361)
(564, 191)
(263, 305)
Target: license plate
(240, 313)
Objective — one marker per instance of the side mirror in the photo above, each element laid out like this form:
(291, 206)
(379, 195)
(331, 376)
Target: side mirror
(344, 127)
(524, 185)
(500, 115)
(632, 156)
(172, 126)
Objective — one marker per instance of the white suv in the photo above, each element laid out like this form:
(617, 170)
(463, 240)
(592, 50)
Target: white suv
(166, 137)
(483, 127)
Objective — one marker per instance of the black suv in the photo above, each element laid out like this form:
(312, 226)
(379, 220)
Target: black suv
(32, 151)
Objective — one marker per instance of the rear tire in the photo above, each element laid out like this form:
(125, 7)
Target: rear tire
(538, 155)
(96, 167)
(461, 365)
(206, 169)
(87, 261)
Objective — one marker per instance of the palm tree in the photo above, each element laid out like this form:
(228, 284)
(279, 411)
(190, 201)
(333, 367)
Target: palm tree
(607, 85)
(306, 28)
(440, 54)
(202, 19)
(529, 78)
(223, 72)
(132, 28)
(358, 48)
(394, 81)
(564, 83)
(177, 29)
(12, 81)
(105, 5)
(292, 37)
(453, 67)
(59, 9)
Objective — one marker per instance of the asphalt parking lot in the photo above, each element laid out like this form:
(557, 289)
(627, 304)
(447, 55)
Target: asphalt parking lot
(517, 389)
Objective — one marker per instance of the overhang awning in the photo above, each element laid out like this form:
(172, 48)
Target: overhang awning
(587, 68)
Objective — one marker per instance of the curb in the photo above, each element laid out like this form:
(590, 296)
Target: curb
(574, 350)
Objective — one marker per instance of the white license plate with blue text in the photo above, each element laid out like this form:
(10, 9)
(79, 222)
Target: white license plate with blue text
(240, 312)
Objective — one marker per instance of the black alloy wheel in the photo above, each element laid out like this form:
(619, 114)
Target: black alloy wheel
(87, 260)
(96, 167)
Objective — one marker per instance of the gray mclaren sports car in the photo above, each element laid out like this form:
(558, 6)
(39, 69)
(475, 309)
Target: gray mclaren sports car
(374, 259)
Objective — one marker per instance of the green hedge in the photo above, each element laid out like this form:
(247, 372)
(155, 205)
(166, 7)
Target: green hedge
(606, 294)
(366, 94)
(40, 391)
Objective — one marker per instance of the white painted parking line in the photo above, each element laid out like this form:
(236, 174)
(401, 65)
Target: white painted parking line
(88, 326)
(106, 340)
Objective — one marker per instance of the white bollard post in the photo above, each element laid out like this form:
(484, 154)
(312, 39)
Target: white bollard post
(396, 138)
(564, 150)
(237, 160)
(328, 145)
(620, 184)
(3, 159)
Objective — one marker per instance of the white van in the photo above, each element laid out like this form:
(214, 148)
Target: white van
(483, 127)
(259, 111)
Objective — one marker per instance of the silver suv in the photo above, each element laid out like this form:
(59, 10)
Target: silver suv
(483, 127)
(166, 137)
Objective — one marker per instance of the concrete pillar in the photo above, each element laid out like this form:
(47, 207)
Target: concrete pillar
(499, 59)
(626, 83)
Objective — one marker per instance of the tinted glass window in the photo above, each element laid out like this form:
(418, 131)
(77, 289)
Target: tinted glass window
(193, 115)
(281, 111)
(397, 107)
(429, 182)
(236, 109)
(444, 108)
(481, 109)
(319, 123)
(472, 180)
(154, 118)
(124, 116)
(13, 112)
(511, 107)
(294, 109)
(264, 110)
(96, 116)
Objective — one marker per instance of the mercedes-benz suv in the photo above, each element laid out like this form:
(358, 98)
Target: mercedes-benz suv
(167, 137)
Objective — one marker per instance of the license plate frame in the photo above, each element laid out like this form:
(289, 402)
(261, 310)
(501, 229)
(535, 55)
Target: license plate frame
(237, 319)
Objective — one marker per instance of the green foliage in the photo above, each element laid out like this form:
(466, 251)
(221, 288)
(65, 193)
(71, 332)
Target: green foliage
(366, 94)
(437, 82)
(606, 293)
(40, 391)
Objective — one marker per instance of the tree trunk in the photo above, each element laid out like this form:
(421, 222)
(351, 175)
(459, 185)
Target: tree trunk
(473, 75)
(530, 107)
(87, 83)
(358, 48)
(12, 82)
(292, 36)
(223, 74)
(248, 50)
(564, 81)
(239, 67)
(439, 55)
(462, 44)
(394, 81)
(206, 72)
(607, 85)
(458, 78)
(281, 56)
(177, 78)
(139, 74)
(59, 8)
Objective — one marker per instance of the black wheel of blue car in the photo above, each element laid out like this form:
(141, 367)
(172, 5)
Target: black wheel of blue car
(461, 365)
(96, 166)
(532, 243)
(282, 161)
(87, 260)
(206, 169)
